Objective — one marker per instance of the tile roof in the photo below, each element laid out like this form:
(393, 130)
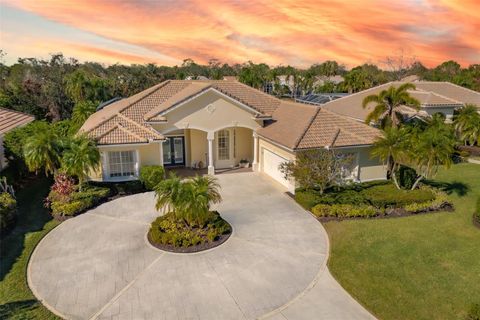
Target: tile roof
(293, 125)
(429, 94)
(11, 119)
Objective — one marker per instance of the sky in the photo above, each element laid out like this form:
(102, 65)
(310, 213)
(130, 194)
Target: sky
(280, 32)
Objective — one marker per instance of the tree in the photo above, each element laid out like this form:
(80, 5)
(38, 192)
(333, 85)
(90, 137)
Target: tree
(467, 124)
(317, 169)
(254, 75)
(42, 150)
(390, 148)
(431, 148)
(82, 111)
(80, 158)
(188, 199)
(387, 103)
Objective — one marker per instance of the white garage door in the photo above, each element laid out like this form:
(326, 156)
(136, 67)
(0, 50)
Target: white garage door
(271, 161)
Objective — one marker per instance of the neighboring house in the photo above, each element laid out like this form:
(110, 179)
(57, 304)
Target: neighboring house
(215, 124)
(443, 97)
(9, 120)
(321, 80)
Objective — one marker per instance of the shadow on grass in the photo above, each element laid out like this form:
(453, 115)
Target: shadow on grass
(31, 217)
(17, 308)
(459, 188)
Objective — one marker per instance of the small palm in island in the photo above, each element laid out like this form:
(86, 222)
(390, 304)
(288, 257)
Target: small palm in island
(188, 224)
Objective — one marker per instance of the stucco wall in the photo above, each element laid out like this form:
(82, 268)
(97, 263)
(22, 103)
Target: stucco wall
(198, 147)
(220, 113)
(286, 154)
(244, 141)
(369, 168)
(149, 154)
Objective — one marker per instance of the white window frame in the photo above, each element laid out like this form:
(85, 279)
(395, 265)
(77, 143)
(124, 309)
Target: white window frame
(122, 177)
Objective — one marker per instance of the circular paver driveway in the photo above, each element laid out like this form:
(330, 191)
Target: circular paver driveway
(98, 265)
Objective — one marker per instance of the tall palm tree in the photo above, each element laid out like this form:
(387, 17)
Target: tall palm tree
(80, 158)
(467, 124)
(42, 150)
(190, 199)
(390, 148)
(387, 103)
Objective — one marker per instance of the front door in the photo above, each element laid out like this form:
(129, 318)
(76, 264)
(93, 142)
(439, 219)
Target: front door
(225, 148)
(174, 151)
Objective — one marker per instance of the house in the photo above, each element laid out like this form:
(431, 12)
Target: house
(9, 120)
(443, 97)
(215, 124)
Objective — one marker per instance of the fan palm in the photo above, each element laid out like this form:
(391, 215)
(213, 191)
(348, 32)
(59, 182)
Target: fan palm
(41, 150)
(82, 111)
(467, 124)
(80, 158)
(387, 104)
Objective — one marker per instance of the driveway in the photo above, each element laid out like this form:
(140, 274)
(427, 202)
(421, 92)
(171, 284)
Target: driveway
(99, 265)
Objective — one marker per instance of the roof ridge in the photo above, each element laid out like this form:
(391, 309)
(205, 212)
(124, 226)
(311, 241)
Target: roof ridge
(152, 131)
(130, 103)
(362, 91)
(310, 122)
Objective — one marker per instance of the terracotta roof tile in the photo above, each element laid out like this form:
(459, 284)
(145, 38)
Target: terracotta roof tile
(10, 119)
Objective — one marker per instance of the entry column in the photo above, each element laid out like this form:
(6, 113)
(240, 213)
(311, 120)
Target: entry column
(255, 152)
(211, 168)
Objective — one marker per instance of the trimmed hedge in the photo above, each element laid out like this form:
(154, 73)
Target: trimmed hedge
(8, 209)
(438, 202)
(344, 210)
(151, 176)
(389, 196)
(167, 230)
(77, 201)
(307, 198)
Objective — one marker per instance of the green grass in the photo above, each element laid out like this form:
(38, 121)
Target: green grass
(420, 267)
(34, 222)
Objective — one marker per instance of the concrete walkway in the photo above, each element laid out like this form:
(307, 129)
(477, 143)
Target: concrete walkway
(99, 265)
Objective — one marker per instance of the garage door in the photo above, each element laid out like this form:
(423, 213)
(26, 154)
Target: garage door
(271, 161)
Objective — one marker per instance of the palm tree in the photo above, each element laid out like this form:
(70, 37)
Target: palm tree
(390, 148)
(190, 199)
(42, 150)
(432, 148)
(467, 124)
(80, 158)
(82, 111)
(387, 103)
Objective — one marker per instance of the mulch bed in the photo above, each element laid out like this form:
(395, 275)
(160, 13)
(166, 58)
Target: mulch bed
(391, 213)
(192, 249)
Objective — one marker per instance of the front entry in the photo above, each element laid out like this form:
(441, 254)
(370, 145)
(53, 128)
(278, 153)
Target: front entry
(174, 151)
(225, 148)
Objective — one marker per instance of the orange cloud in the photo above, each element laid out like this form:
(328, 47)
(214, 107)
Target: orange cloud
(275, 32)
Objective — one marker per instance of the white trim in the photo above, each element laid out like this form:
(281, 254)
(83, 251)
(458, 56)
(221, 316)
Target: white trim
(276, 143)
(181, 103)
(124, 145)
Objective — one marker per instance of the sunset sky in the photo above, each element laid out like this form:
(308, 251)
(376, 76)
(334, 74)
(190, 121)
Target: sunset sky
(284, 32)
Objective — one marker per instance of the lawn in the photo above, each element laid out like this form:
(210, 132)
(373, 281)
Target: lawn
(419, 267)
(34, 222)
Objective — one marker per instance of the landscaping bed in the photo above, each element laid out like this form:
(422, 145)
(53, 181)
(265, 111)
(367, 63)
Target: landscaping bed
(372, 200)
(169, 234)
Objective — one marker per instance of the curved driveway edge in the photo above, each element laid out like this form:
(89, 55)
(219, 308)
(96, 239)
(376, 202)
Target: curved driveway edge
(98, 266)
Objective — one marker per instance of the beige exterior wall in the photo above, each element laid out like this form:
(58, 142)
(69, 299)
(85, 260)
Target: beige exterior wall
(244, 147)
(208, 112)
(148, 154)
(197, 148)
(264, 145)
(368, 168)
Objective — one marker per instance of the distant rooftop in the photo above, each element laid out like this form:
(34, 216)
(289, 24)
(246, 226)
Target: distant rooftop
(10, 119)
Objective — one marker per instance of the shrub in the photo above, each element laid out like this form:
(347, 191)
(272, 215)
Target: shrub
(77, 201)
(151, 176)
(476, 214)
(307, 198)
(440, 200)
(474, 312)
(349, 197)
(167, 230)
(8, 207)
(383, 196)
(344, 210)
(406, 177)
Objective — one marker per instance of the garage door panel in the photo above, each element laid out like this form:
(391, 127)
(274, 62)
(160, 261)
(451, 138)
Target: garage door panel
(271, 163)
